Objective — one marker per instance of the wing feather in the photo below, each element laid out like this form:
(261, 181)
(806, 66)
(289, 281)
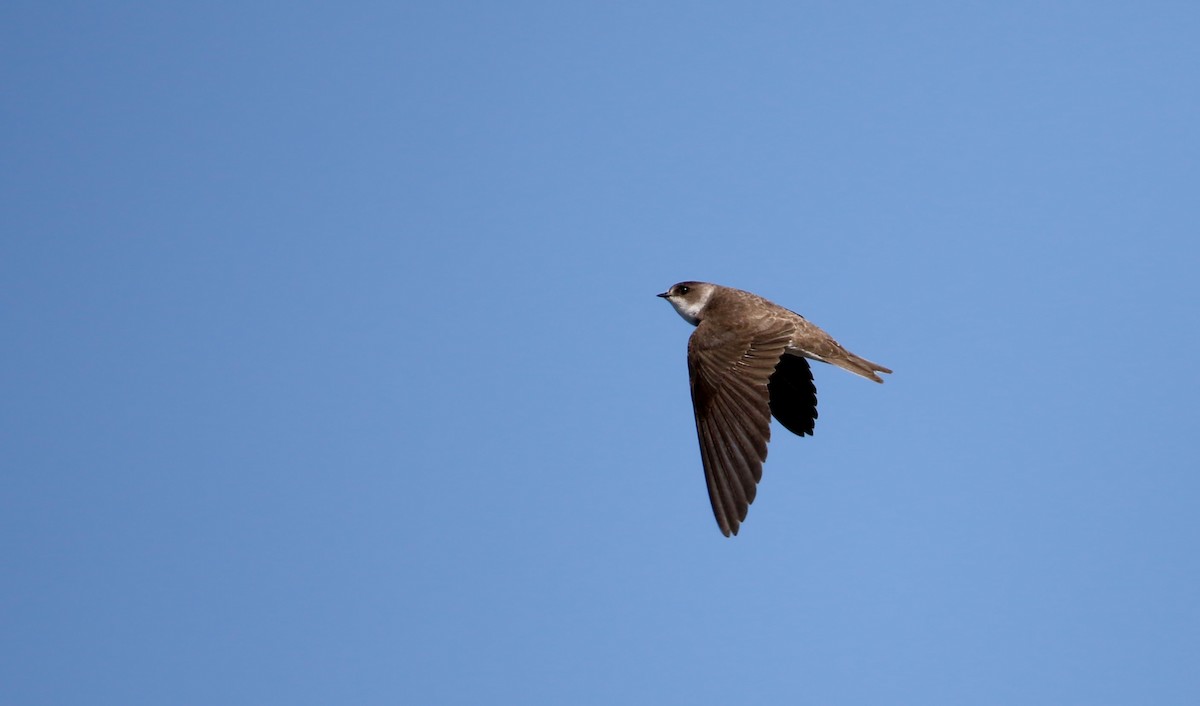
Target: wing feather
(730, 379)
(793, 395)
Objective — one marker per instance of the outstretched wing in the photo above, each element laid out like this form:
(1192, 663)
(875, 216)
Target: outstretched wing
(730, 376)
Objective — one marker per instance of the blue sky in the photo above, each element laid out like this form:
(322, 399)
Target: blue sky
(333, 371)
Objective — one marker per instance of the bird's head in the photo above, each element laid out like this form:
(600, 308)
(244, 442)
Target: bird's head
(689, 299)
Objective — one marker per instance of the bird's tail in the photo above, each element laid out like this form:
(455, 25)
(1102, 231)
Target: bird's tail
(860, 366)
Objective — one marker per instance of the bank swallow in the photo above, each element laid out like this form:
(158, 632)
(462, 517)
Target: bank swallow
(748, 361)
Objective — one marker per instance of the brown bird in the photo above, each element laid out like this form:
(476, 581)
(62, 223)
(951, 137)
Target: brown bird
(747, 363)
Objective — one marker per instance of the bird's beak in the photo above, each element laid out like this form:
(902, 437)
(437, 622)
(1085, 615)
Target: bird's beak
(664, 295)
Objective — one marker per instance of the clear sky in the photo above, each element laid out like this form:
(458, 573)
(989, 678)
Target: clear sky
(332, 370)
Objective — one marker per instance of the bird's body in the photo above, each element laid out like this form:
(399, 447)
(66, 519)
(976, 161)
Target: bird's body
(747, 361)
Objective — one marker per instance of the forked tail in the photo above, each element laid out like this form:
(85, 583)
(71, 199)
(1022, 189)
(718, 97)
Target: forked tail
(860, 366)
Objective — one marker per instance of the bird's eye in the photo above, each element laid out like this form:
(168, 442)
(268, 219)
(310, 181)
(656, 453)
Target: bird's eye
(683, 290)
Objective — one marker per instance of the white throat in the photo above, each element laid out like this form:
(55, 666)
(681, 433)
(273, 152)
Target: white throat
(690, 310)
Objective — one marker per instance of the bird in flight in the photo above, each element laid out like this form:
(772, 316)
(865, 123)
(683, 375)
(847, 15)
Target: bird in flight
(748, 361)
